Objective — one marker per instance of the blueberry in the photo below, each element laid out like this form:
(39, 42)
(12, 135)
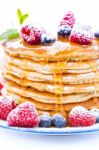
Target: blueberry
(45, 121)
(96, 34)
(64, 31)
(59, 121)
(95, 112)
(47, 39)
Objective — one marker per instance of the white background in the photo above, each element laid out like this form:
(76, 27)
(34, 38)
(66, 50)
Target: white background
(10, 140)
(48, 13)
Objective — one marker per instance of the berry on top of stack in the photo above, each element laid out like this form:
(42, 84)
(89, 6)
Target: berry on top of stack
(81, 34)
(77, 33)
(68, 19)
(66, 24)
(33, 35)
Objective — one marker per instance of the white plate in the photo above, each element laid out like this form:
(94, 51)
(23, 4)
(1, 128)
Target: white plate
(53, 131)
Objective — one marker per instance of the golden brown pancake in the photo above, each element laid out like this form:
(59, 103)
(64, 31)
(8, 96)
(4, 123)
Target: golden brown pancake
(54, 67)
(54, 78)
(52, 112)
(55, 52)
(60, 78)
(91, 103)
(54, 88)
(46, 97)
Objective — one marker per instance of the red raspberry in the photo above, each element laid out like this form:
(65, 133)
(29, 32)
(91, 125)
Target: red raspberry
(81, 34)
(31, 34)
(79, 116)
(1, 86)
(25, 115)
(7, 104)
(69, 19)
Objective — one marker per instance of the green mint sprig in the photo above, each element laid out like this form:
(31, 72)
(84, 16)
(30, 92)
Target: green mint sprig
(21, 17)
(9, 34)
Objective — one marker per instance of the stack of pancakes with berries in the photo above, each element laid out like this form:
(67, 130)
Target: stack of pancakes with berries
(55, 74)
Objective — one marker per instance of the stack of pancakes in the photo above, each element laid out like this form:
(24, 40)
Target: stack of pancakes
(55, 77)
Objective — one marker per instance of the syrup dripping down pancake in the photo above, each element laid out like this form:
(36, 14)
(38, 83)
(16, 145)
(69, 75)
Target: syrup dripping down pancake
(50, 107)
(46, 97)
(70, 70)
(54, 67)
(47, 87)
(64, 78)
(56, 52)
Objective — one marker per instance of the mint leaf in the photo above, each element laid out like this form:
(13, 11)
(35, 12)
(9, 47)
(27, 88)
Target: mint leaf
(21, 17)
(9, 34)
(2, 37)
(24, 17)
(19, 14)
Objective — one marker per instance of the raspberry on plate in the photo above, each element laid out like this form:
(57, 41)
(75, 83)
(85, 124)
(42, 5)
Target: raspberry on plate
(80, 117)
(7, 104)
(68, 19)
(1, 86)
(25, 115)
(81, 34)
(31, 34)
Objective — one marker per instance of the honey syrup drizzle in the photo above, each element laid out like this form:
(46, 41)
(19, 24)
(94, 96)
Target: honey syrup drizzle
(59, 86)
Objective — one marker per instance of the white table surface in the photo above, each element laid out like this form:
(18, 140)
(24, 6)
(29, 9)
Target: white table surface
(12, 140)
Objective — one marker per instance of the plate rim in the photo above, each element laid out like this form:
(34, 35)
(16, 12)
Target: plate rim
(52, 131)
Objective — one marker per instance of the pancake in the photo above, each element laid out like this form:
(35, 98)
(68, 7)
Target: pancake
(54, 67)
(41, 111)
(46, 97)
(54, 88)
(56, 78)
(91, 103)
(51, 112)
(57, 51)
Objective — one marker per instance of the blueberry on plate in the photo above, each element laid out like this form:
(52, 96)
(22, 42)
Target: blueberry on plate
(64, 31)
(95, 112)
(45, 121)
(96, 34)
(59, 121)
(47, 39)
